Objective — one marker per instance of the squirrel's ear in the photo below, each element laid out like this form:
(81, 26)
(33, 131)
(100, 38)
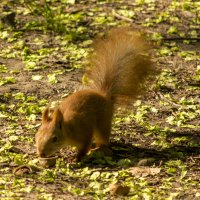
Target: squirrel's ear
(57, 115)
(45, 115)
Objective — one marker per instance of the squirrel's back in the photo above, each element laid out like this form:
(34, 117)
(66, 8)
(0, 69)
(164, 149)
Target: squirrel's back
(120, 64)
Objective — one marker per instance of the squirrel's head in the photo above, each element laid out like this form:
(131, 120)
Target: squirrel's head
(49, 136)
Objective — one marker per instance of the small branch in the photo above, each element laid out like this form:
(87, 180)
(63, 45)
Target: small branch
(198, 157)
(181, 38)
(170, 102)
(122, 17)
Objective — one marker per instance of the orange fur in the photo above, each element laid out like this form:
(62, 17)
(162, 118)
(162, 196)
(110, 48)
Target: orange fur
(119, 68)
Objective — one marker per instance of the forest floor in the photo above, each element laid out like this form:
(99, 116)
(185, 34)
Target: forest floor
(155, 141)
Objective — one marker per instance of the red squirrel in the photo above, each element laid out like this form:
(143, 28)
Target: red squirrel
(119, 69)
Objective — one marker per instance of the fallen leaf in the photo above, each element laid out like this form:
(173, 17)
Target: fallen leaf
(21, 170)
(116, 189)
(145, 171)
(146, 162)
(47, 162)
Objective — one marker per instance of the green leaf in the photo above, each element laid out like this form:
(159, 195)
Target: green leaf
(52, 78)
(172, 30)
(7, 80)
(37, 77)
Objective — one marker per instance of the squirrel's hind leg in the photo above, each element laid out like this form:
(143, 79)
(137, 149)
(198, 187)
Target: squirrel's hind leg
(82, 151)
(102, 134)
(103, 126)
(101, 137)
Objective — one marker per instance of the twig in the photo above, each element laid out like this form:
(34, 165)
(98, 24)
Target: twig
(192, 159)
(182, 38)
(122, 17)
(198, 157)
(163, 97)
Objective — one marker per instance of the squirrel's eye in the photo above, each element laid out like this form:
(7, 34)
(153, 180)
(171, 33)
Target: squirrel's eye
(55, 139)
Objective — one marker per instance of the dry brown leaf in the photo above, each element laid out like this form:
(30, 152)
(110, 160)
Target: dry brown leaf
(116, 189)
(145, 171)
(47, 162)
(21, 170)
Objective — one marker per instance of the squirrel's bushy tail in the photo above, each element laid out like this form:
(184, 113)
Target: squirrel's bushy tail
(120, 65)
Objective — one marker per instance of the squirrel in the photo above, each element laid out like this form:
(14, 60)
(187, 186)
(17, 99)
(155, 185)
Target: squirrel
(120, 68)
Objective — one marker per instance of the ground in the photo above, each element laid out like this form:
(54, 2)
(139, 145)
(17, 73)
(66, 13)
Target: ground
(155, 141)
